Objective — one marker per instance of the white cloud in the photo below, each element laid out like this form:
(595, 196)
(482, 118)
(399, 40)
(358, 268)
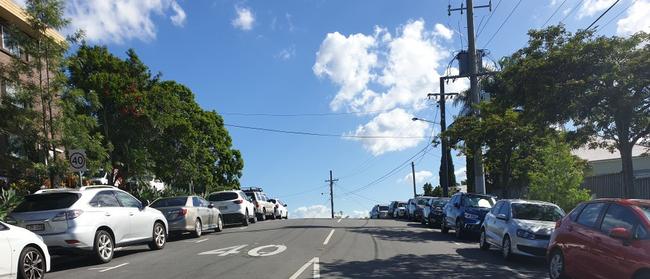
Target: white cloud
(118, 21)
(636, 20)
(395, 123)
(359, 214)
(461, 174)
(287, 53)
(420, 177)
(444, 32)
(591, 7)
(245, 19)
(314, 211)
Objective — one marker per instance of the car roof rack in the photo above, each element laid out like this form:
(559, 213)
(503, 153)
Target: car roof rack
(42, 191)
(97, 187)
(254, 189)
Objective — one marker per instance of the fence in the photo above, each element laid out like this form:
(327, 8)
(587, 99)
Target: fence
(611, 186)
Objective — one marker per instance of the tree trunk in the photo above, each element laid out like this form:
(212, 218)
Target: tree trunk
(625, 149)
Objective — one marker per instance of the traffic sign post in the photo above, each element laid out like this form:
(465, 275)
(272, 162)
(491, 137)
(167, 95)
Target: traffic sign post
(77, 161)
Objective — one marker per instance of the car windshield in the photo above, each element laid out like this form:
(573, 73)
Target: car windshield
(383, 208)
(401, 204)
(251, 195)
(536, 212)
(224, 196)
(166, 202)
(479, 201)
(40, 202)
(422, 201)
(440, 202)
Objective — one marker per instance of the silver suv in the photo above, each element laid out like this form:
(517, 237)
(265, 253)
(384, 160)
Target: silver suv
(263, 208)
(93, 218)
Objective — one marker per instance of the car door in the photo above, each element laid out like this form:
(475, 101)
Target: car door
(5, 252)
(116, 217)
(584, 231)
(610, 254)
(490, 222)
(450, 216)
(212, 213)
(201, 213)
(141, 222)
(270, 207)
(500, 227)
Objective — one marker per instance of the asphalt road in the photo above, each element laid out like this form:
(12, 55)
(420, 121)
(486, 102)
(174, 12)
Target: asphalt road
(308, 248)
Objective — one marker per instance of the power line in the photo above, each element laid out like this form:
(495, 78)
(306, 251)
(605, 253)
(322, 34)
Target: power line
(553, 14)
(601, 15)
(303, 192)
(572, 10)
(502, 24)
(301, 114)
(617, 15)
(488, 20)
(320, 134)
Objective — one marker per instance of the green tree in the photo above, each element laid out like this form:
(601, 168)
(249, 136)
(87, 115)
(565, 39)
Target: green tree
(600, 84)
(556, 175)
(428, 189)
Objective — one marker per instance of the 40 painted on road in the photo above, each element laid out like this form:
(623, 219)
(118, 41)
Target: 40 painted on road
(261, 251)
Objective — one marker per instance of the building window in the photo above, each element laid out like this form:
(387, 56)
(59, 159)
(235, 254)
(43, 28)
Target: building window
(10, 91)
(16, 146)
(8, 43)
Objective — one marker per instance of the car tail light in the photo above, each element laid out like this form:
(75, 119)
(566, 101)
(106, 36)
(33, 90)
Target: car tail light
(256, 204)
(276, 206)
(67, 215)
(238, 201)
(182, 211)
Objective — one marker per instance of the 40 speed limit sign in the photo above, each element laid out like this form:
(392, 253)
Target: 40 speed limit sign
(77, 160)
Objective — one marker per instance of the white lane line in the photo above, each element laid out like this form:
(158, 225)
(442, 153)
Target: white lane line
(242, 228)
(103, 269)
(316, 269)
(199, 241)
(457, 243)
(327, 239)
(339, 221)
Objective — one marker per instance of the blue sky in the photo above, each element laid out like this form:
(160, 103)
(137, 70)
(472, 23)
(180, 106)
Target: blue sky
(371, 61)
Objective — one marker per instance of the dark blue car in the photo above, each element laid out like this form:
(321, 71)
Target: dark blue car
(465, 212)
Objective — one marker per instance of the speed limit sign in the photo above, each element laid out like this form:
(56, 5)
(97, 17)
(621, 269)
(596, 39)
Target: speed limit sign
(77, 160)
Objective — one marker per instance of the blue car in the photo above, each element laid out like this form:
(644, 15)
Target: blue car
(465, 213)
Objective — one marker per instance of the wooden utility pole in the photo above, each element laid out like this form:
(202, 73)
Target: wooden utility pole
(413, 174)
(444, 177)
(331, 181)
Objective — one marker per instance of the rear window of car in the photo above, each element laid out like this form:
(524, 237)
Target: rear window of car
(225, 196)
(180, 201)
(52, 201)
(537, 212)
(401, 204)
(272, 200)
(251, 195)
(440, 202)
(646, 211)
(479, 201)
(383, 208)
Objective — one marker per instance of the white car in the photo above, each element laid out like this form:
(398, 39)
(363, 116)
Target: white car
(235, 207)
(281, 211)
(22, 253)
(92, 218)
(101, 178)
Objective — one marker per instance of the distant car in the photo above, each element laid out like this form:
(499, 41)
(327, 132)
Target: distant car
(604, 238)
(23, 254)
(263, 208)
(420, 204)
(464, 213)
(92, 218)
(379, 212)
(189, 214)
(235, 206)
(280, 210)
(391, 208)
(152, 181)
(100, 178)
(400, 210)
(410, 208)
(433, 212)
(520, 227)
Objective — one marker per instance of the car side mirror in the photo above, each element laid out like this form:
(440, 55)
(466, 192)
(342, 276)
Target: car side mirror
(620, 233)
(211, 205)
(502, 217)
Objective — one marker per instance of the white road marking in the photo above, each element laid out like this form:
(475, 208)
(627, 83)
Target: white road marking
(256, 252)
(339, 221)
(457, 243)
(242, 228)
(199, 241)
(315, 272)
(224, 251)
(327, 240)
(104, 269)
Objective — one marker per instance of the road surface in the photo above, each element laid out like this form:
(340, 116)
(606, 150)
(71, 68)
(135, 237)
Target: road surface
(308, 248)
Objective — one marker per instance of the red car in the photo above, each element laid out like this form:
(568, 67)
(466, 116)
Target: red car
(604, 238)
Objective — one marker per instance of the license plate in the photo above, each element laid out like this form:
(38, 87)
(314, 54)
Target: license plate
(223, 207)
(35, 227)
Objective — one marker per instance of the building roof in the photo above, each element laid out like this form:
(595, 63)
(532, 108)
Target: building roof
(601, 154)
(15, 14)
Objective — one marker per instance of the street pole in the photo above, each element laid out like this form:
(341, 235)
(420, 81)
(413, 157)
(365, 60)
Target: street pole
(413, 174)
(443, 127)
(331, 181)
(479, 178)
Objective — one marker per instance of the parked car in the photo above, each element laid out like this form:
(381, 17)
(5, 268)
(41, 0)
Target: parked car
(23, 254)
(391, 208)
(433, 212)
(520, 227)
(100, 178)
(93, 218)
(235, 207)
(400, 211)
(280, 209)
(464, 213)
(189, 214)
(604, 238)
(263, 208)
(379, 212)
(410, 208)
(420, 204)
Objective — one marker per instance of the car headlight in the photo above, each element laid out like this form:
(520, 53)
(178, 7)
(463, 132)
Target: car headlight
(471, 216)
(525, 234)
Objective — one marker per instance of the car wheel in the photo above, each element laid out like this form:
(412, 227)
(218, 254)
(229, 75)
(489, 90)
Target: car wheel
(423, 220)
(272, 216)
(443, 225)
(506, 248)
(32, 264)
(263, 216)
(245, 219)
(556, 265)
(103, 246)
(253, 219)
(198, 228)
(459, 229)
(159, 237)
(219, 227)
(482, 241)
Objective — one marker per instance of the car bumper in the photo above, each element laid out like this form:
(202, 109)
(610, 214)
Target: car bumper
(233, 218)
(528, 247)
(81, 238)
(181, 225)
(472, 225)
